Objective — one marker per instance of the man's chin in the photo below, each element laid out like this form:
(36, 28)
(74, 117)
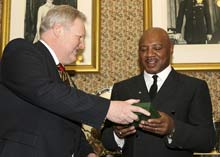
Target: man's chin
(151, 70)
(72, 60)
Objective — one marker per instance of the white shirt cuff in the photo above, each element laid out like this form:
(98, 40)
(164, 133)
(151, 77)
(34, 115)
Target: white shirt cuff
(120, 142)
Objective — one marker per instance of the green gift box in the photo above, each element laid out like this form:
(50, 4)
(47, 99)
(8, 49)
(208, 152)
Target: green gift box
(147, 106)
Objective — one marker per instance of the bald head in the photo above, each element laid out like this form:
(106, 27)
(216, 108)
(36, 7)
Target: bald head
(156, 32)
(155, 50)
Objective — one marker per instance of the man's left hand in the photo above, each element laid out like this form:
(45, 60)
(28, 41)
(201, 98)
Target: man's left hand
(162, 126)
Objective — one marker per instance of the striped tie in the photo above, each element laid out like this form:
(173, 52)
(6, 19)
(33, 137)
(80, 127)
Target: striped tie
(65, 76)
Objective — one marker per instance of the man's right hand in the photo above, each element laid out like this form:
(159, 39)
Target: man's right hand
(122, 131)
(122, 112)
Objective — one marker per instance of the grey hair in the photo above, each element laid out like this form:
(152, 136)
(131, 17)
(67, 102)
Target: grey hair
(60, 14)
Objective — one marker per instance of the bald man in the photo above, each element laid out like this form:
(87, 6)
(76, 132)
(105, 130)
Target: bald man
(185, 124)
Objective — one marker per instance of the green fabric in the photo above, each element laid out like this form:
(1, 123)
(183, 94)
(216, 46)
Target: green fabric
(147, 106)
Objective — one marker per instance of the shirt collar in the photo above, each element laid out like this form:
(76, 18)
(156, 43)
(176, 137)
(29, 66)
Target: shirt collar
(51, 52)
(161, 75)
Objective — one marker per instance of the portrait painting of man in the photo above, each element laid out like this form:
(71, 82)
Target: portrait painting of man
(194, 21)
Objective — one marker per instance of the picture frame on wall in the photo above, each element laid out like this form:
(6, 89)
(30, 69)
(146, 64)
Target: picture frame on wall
(13, 26)
(187, 56)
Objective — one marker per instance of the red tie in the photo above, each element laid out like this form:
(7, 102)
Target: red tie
(60, 67)
(65, 76)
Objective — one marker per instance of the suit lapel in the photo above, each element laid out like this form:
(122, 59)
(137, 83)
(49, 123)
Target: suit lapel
(168, 89)
(49, 61)
(140, 89)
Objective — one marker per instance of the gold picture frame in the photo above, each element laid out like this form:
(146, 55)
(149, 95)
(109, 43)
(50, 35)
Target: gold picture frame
(209, 61)
(92, 64)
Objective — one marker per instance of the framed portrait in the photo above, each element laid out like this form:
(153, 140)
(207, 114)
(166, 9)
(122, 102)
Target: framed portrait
(186, 56)
(17, 22)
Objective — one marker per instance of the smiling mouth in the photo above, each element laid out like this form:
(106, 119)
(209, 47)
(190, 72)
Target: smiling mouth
(151, 61)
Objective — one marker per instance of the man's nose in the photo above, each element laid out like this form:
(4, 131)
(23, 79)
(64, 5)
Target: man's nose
(82, 44)
(149, 52)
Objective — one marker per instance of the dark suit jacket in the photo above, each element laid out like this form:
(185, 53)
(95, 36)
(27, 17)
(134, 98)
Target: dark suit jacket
(198, 21)
(40, 116)
(184, 98)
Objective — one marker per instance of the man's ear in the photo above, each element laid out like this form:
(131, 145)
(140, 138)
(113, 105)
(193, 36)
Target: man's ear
(57, 30)
(171, 49)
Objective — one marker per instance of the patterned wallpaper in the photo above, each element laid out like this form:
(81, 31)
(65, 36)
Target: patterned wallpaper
(121, 27)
